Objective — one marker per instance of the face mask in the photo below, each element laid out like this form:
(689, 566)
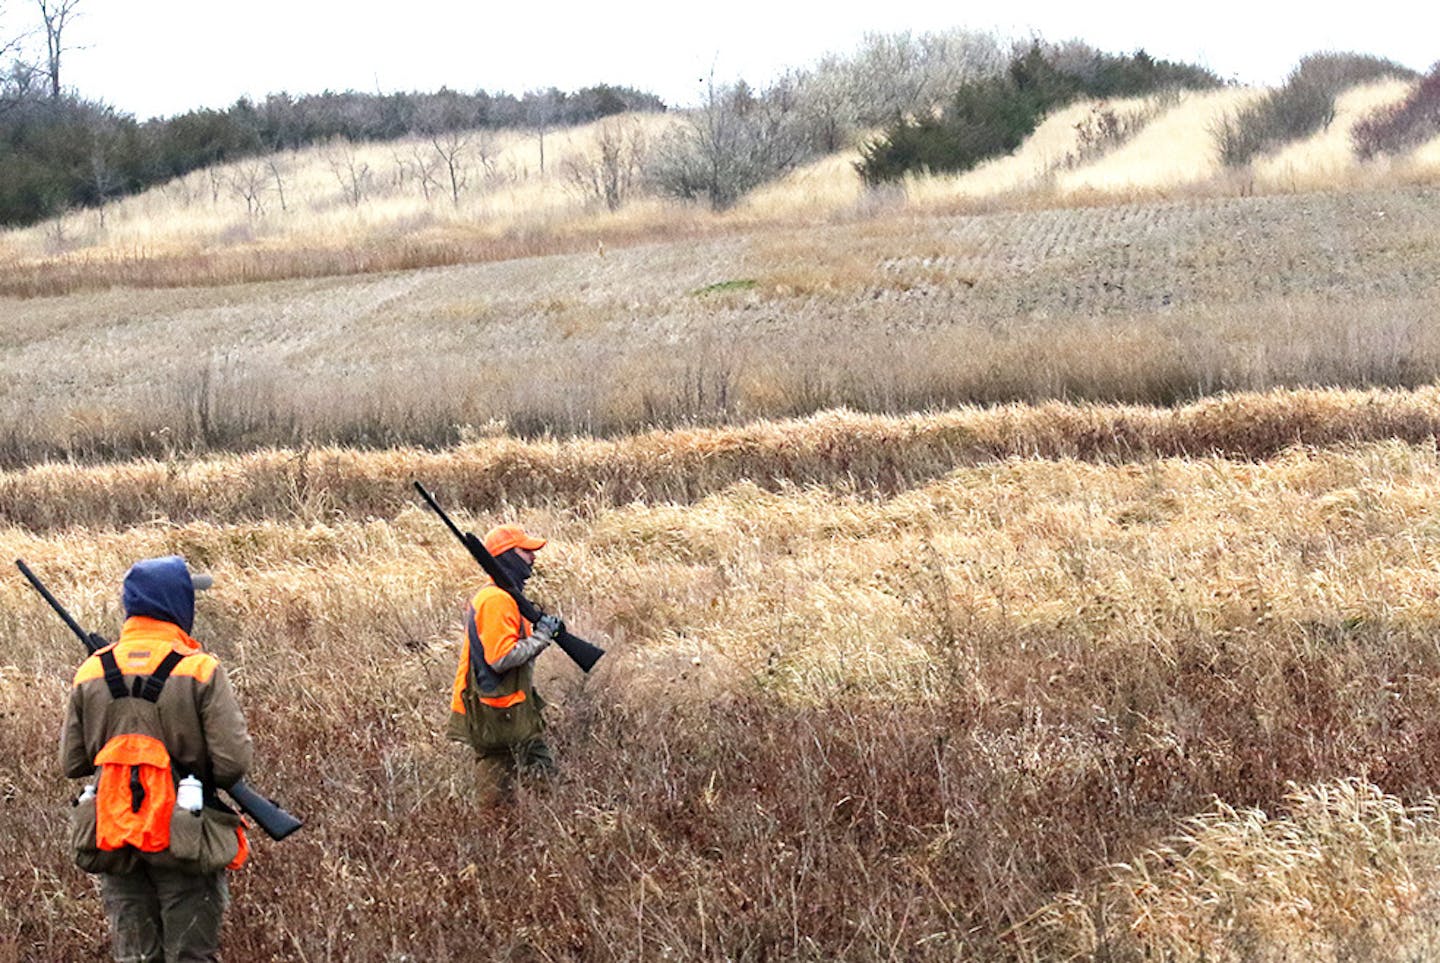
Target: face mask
(515, 567)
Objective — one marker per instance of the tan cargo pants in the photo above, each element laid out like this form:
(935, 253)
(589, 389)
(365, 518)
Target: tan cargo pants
(164, 916)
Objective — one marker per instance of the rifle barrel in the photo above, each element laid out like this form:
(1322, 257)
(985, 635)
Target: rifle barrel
(53, 602)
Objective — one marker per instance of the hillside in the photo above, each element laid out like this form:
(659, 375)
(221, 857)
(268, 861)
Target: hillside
(1150, 302)
(488, 195)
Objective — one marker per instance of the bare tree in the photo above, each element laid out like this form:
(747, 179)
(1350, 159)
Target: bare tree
(9, 46)
(16, 76)
(484, 149)
(352, 173)
(735, 141)
(426, 167)
(541, 110)
(451, 148)
(608, 172)
(56, 15)
(889, 76)
(401, 174)
(250, 181)
(106, 181)
(273, 166)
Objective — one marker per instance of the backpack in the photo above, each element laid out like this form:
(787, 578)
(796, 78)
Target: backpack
(135, 794)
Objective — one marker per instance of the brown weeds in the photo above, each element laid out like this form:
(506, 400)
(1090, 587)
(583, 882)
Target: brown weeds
(866, 452)
(832, 724)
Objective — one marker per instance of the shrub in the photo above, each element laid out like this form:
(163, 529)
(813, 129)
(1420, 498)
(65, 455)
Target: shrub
(736, 141)
(992, 116)
(1104, 128)
(1405, 125)
(986, 118)
(1303, 105)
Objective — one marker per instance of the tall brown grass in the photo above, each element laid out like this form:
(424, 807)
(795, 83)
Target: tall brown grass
(898, 721)
(840, 448)
(1343, 873)
(429, 394)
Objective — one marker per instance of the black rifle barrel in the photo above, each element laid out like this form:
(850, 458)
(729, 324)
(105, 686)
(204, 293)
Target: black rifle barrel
(584, 654)
(90, 639)
(276, 822)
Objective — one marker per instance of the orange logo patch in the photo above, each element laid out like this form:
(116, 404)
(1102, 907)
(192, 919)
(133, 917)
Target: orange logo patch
(138, 655)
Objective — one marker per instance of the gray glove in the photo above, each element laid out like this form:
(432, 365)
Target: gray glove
(531, 645)
(548, 627)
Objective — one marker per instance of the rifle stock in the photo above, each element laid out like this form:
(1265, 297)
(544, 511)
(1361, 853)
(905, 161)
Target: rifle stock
(582, 653)
(276, 822)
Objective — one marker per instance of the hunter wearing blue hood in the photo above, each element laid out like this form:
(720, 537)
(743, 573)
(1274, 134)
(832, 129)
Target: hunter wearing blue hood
(144, 712)
(162, 589)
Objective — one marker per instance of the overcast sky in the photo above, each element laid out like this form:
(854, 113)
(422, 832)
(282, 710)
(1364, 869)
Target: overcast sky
(160, 57)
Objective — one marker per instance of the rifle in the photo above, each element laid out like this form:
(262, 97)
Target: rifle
(276, 822)
(584, 654)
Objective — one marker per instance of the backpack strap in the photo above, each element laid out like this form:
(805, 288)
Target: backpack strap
(487, 680)
(149, 689)
(114, 678)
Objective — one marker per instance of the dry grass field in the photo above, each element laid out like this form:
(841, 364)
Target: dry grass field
(963, 712)
(1040, 564)
(1156, 303)
(341, 209)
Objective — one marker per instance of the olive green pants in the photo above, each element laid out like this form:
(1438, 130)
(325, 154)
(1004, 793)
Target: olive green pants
(164, 916)
(495, 772)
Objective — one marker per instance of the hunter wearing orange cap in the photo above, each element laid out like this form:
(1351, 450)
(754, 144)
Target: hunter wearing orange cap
(494, 706)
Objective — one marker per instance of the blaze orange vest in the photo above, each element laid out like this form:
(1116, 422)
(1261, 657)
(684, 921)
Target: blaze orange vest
(135, 794)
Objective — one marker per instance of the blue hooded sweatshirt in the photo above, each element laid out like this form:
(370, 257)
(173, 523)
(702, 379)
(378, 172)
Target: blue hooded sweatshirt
(160, 588)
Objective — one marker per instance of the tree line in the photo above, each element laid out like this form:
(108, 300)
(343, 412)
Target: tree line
(66, 151)
(60, 149)
(942, 101)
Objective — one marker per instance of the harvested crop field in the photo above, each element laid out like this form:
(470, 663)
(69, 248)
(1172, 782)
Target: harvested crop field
(1152, 303)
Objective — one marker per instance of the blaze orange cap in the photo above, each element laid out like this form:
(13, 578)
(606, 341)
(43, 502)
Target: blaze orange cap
(502, 538)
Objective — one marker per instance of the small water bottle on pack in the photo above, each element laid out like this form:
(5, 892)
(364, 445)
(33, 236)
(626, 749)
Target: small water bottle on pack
(189, 795)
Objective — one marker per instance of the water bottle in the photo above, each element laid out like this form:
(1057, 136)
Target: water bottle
(190, 795)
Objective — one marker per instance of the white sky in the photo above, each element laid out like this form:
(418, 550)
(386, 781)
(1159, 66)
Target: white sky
(158, 57)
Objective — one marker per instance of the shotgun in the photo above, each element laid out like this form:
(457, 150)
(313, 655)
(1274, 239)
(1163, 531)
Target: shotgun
(276, 822)
(584, 654)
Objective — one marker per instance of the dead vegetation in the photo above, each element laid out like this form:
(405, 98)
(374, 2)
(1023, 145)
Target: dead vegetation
(894, 719)
(862, 453)
(1131, 659)
(1153, 304)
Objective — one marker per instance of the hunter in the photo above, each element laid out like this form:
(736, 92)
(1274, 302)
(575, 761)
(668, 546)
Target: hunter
(494, 707)
(154, 720)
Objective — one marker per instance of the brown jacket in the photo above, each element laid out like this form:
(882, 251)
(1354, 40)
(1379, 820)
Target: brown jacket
(204, 729)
